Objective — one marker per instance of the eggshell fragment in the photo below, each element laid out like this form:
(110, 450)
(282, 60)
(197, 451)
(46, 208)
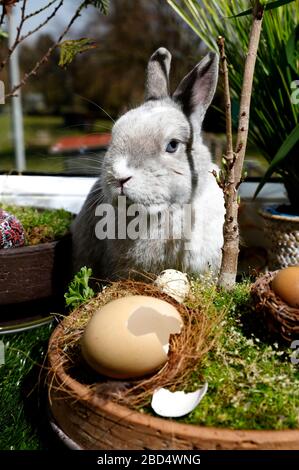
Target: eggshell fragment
(176, 404)
(286, 285)
(129, 337)
(174, 283)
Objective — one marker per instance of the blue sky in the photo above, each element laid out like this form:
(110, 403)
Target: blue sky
(57, 24)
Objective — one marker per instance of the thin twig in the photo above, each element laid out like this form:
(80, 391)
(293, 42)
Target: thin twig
(48, 53)
(23, 14)
(232, 175)
(2, 15)
(227, 180)
(247, 88)
(228, 116)
(37, 12)
(41, 25)
(17, 38)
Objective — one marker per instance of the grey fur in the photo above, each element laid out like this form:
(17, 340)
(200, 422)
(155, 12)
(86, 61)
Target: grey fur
(158, 180)
(157, 77)
(199, 86)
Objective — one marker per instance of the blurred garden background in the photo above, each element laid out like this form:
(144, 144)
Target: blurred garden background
(75, 101)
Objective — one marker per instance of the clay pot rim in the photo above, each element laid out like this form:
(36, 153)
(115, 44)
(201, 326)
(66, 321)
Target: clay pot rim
(171, 426)
(27, 248)
(21, 250)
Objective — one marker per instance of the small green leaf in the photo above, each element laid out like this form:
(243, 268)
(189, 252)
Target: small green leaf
(284, 150)
(3, 34)
(79, 290)
(70, 48)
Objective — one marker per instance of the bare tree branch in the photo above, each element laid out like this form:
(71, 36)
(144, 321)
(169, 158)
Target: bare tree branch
(19, 28)
(37, 12)
(232, 177)
(2, 15)
(227, 180)
(17, 38)
(43, 23)
(20, 38)
(228, 116)
(247, 88)
(48, 53)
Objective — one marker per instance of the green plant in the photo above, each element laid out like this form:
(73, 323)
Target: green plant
(41, 225)
(79, 290)
(70, 48)
(274, 115)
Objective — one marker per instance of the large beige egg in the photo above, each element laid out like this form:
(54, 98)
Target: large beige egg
(286, 285)
(129, 337)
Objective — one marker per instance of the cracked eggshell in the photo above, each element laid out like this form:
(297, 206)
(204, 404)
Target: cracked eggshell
(174, 283)
(176, 404)
(129, 337)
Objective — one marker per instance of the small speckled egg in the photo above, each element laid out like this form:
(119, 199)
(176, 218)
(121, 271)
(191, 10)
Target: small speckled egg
(129, 337)
(12, 233)
(286, 285)
(174, 283)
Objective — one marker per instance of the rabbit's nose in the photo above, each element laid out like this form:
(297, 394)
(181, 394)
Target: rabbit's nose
(122, 181)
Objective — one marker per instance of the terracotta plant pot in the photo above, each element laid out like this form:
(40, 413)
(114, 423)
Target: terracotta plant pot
(33, 273)
(95, 423)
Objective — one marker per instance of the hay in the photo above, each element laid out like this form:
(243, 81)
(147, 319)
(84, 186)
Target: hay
(281, 317)
(186, 350)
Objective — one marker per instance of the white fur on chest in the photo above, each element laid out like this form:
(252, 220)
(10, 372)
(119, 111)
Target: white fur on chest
(174, 246)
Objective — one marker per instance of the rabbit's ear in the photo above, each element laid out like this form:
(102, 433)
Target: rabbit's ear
(197, 89)
(157, 77)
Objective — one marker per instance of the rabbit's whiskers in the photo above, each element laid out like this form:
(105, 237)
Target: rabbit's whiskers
(95, 104)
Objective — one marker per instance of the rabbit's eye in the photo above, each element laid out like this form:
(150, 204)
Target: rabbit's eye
(172, 146)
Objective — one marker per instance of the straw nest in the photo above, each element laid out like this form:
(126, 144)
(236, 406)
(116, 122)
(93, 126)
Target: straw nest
(281, 317)
(186, 352)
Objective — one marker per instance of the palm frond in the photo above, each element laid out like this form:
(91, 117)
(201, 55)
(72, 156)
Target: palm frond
(273, 113)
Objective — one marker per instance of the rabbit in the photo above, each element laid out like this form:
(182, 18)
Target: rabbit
(156, 160)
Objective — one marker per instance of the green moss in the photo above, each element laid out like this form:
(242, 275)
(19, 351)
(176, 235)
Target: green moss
(41, 225)
(252, 382)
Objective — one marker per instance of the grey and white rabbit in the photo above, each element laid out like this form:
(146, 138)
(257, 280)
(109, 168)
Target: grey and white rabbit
(156, 159)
